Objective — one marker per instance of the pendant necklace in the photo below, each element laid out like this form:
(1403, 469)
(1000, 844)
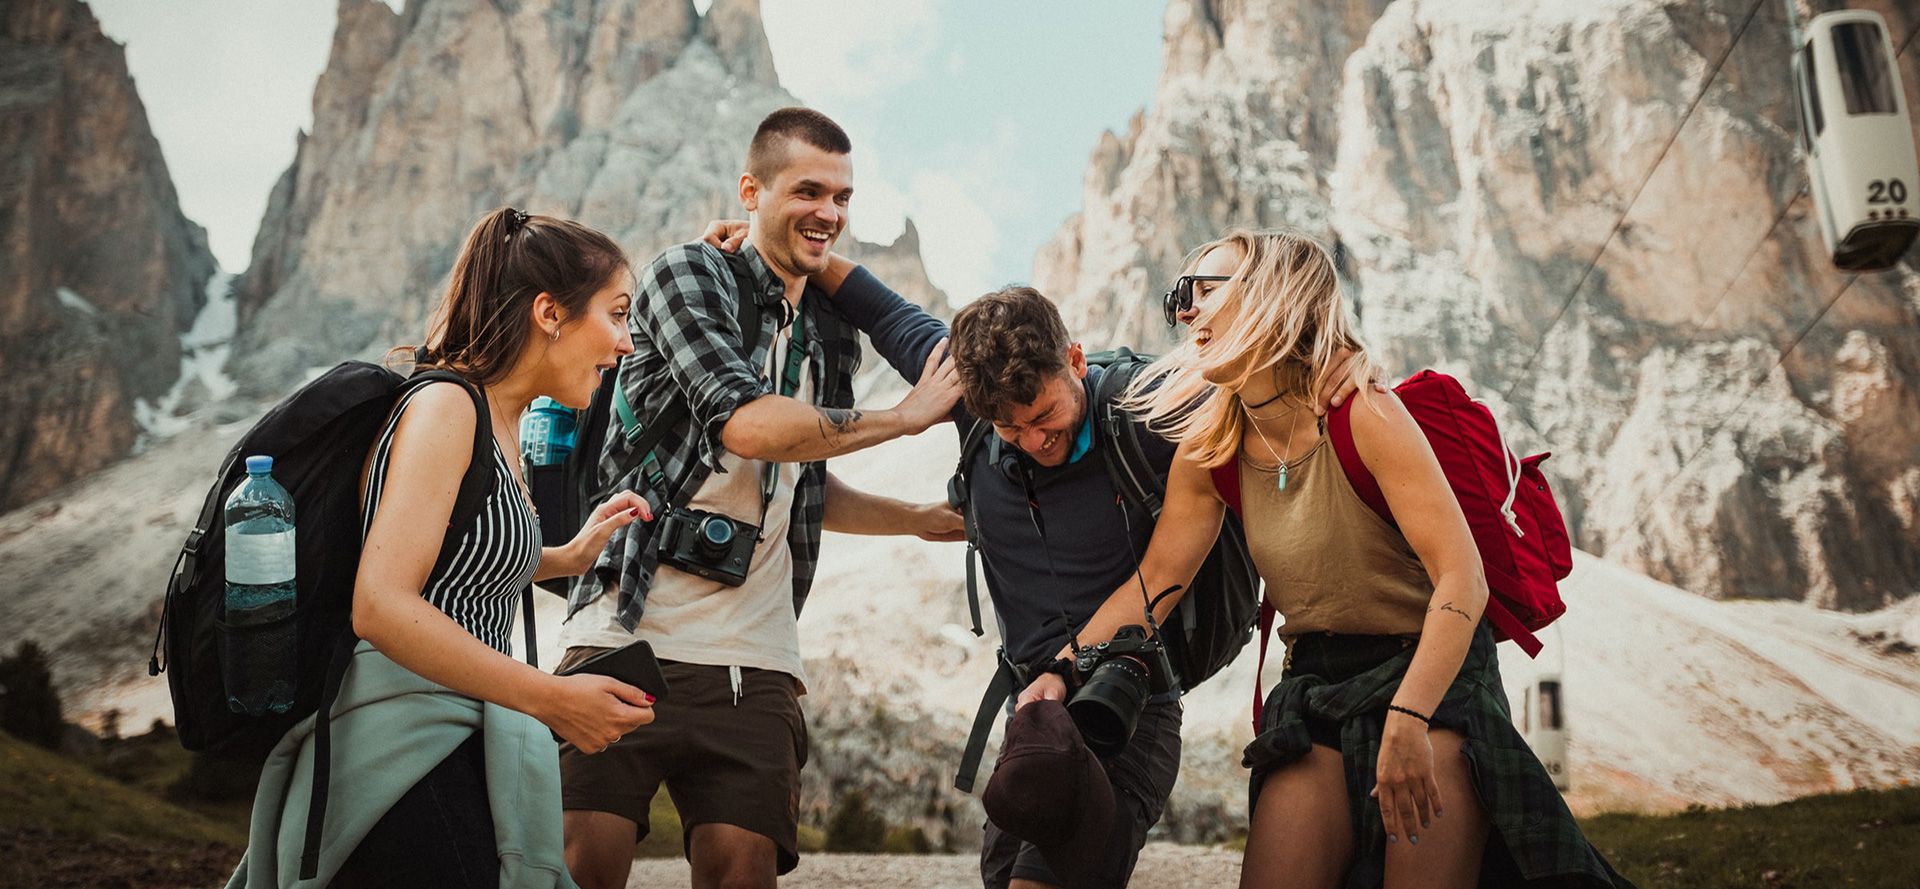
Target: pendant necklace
(1280, 483)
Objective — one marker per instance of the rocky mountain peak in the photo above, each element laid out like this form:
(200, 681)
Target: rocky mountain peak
(103, 270)
(734, 30)
(1725, 409)
(630, 115)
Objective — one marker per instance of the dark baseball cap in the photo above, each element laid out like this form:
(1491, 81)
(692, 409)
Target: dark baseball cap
(1050, 790)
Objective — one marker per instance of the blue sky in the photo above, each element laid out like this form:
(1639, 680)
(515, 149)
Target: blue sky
(974, 118)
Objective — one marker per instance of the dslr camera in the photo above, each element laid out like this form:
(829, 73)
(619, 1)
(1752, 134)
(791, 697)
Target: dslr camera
(1121, 675)
(707, 544)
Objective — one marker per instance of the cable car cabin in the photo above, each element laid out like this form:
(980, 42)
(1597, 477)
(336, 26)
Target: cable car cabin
(1858, 140)
(1543, 724)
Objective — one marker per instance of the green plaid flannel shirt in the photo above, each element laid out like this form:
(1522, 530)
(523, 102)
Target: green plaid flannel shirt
(1523, 806)
(687, 345)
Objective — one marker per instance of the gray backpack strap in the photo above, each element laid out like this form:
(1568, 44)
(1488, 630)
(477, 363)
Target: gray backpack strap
(960, 497)
(1126, 459)
(1006, 681)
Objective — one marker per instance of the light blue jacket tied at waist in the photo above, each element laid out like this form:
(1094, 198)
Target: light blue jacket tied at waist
(390, 727)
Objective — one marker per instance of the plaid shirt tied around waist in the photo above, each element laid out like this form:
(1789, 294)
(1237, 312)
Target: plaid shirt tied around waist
(687, 345)
(1523, 807)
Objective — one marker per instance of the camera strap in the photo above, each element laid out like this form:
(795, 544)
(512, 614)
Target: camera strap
(1025, 470)
(790, 377)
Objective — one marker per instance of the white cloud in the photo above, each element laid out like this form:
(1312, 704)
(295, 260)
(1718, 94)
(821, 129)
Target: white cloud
(879, 211)
(958, 237)
(857, 51)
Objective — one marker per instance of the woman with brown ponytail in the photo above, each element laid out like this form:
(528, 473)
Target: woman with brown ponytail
(1386, 755)
(535, 306)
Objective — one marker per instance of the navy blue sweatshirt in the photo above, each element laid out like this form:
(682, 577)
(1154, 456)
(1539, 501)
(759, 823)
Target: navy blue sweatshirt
(1093, 536)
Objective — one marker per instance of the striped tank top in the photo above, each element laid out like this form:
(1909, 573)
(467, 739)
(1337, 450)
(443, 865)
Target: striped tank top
(495, 559)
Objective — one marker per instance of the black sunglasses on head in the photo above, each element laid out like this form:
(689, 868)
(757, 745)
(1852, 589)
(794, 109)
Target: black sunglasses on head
(1180, 298)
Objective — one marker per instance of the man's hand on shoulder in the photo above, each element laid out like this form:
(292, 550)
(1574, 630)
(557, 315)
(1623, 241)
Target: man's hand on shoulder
(933, 398)
(1343, 382)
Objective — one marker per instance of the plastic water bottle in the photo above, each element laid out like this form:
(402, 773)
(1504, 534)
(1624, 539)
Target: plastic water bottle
(548, 432)
(258, 646)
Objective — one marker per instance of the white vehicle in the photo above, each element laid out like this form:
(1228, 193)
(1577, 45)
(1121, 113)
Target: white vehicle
(1543, 724)
(1858, 140)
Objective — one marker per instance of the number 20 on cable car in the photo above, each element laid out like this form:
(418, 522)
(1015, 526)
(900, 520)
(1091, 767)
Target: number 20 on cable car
(1858, 140)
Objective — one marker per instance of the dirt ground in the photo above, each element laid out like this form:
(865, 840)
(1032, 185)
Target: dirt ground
(1162, 866)
(47, 860)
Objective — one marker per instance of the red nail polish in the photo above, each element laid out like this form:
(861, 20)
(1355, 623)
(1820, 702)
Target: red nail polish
(650, 698)
(634, 512)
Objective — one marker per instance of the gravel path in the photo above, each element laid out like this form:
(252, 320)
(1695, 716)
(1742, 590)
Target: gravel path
(1162, 866)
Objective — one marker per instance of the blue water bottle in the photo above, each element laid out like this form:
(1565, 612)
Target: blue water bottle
(548, 432)
(258, 657)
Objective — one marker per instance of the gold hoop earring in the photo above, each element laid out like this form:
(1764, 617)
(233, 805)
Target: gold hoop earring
(554, 336)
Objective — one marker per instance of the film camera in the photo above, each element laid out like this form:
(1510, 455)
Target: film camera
(1121, 675)
(708, 545)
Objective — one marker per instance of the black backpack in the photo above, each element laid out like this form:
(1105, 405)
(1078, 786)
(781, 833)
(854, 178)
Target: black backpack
(1214, 620)
(319, 438)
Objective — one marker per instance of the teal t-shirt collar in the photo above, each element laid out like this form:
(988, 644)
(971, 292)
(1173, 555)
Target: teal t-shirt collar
(1083, 439)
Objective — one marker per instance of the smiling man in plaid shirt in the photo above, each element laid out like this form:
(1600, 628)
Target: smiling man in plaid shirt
(730, 740)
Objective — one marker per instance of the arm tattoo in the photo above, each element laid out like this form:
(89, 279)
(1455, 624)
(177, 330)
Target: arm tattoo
(1448, 606)
(836, 423)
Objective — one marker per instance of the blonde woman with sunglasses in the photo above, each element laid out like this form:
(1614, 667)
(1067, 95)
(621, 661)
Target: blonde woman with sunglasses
(1386, 754)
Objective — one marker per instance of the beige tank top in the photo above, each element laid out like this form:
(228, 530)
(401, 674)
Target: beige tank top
(1331, 564)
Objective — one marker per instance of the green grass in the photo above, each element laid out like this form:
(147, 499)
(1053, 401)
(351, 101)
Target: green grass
(43, 790)
(663, 838)
(1866, 838)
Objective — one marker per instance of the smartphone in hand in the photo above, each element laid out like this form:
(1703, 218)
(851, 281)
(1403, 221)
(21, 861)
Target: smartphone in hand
(632, 664)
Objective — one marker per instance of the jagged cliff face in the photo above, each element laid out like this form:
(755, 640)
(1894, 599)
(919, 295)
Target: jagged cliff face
(1484, 152)
(1239, 132)
(102, 272)
(632, 116)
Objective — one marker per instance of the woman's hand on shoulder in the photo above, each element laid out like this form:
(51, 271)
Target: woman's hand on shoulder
(592, 712)
(726, 234)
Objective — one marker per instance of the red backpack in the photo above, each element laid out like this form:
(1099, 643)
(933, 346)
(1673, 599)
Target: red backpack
(1515, 522)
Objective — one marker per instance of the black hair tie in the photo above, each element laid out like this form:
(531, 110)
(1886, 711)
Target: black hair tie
(1413, 713)
(516, 220)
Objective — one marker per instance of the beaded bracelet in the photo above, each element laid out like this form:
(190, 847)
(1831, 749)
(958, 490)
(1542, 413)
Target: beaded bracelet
(1413, 713)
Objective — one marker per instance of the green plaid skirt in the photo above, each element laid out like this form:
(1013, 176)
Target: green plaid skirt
(1339, 687)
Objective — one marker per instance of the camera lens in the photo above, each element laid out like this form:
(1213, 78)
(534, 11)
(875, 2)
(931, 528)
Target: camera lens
(715, 533)
(1108, 706)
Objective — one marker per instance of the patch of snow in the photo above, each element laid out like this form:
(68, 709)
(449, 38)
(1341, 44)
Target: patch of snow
(75, 301)
(203, 358)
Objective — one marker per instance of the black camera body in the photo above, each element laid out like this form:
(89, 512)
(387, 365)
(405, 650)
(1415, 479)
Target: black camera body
(708, 544)
(1121, 675)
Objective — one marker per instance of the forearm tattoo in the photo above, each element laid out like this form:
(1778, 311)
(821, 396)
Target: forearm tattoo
(1448, 606)
(838, 423)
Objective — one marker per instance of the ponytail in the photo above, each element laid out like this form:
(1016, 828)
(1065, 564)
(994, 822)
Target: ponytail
(484, 319)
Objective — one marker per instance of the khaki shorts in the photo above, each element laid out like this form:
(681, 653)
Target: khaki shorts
(724, 761)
